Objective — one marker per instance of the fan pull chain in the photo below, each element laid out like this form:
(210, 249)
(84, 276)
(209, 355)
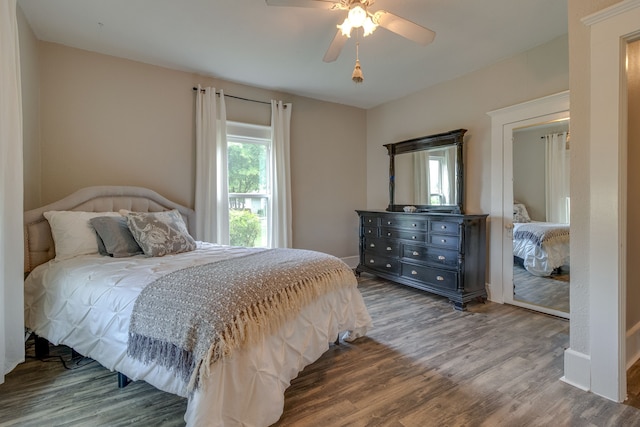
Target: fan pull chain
(357, 71)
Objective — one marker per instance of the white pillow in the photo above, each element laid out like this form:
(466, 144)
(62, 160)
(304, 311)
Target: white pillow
(72, 233)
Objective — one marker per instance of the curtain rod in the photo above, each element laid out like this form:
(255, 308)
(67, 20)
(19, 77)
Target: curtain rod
(239, 97)
(543, 137)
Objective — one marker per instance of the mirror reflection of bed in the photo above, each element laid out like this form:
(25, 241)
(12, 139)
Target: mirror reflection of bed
(541, 267)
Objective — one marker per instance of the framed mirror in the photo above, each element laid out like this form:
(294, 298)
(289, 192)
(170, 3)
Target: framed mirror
(428, 173)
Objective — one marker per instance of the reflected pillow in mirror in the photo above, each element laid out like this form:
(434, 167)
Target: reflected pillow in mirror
(520, 213)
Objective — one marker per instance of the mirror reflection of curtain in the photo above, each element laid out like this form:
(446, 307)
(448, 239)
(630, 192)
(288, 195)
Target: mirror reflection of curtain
(450, 173)
(557, 178)
(421, 175)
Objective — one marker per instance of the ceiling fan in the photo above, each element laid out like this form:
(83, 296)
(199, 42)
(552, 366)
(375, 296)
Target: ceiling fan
(359, 16)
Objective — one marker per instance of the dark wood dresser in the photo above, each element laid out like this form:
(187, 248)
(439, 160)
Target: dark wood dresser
(442, 253)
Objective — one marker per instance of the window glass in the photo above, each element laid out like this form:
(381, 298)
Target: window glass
(248, 151)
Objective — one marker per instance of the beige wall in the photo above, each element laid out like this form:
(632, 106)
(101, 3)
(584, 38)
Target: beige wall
(30, 113)
(111, 121)
(464, 103)
(529, 172)
(529, 166)
(633, 183)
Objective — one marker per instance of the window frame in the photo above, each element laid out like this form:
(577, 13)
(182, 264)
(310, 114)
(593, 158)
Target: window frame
(247, 133)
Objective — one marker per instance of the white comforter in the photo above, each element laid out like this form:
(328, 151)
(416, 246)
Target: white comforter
(86, 302)
(541, 260)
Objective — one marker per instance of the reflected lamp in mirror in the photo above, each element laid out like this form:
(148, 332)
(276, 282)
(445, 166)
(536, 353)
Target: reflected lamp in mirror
(428, 173)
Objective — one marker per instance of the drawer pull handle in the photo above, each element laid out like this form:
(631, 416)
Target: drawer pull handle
(444, 240)
(416, 253)
(440, 278)
(388, 248)
(388, 234)
(388, 222)
(371, 261)
(441, 257)
(369, 231)
(373, 245)
(414, 272)
(444, 227)
(413, 237)
(415, 225)
(388, 265)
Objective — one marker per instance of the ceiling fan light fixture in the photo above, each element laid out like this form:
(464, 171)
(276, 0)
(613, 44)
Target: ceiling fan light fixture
(368, 26)
(357, 16)
(345, 27)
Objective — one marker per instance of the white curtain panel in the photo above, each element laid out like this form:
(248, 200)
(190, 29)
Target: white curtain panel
(449, 186)
(212, 190)
(11, 197)
(557, 178)
(421, 187)
(280, 235)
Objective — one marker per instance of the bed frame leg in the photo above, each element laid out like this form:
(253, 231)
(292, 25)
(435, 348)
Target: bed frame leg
(41, 347)
(123, 380)
(337, 341)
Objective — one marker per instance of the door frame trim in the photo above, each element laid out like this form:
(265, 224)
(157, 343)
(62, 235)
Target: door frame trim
(502, 124)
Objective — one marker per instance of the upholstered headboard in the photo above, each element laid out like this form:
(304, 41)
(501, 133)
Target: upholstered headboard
(38, 242)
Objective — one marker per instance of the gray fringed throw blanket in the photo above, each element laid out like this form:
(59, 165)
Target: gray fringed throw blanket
(539, 233)
(192, 317)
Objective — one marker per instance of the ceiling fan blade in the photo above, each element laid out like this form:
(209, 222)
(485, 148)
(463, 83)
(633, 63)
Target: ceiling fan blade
(404, 27)
(335, 47)
(318, 4)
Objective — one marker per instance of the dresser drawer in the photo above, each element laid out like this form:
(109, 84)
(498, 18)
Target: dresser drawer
(443, 227)
(411, 224)
(370, 221)
(394, 233)
(383, 247)
(444, 240)
(433, 276)
(370, 231)
(431, 255)
(381, 263)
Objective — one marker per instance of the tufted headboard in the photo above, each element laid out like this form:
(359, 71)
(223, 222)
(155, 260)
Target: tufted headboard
(38, 242)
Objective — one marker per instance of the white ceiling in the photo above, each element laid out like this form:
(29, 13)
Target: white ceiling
(281, 48)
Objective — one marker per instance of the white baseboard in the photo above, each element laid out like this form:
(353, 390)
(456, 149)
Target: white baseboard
(352, 261)
(577, 369)
(633, 345)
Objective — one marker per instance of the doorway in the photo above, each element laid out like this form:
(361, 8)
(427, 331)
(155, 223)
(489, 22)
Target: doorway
(506, 121)
(540, 237)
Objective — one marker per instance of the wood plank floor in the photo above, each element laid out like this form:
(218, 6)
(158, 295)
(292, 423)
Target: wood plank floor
(551, 291)
(423, 364)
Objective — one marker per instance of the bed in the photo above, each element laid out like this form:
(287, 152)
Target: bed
(96, 305)
(542, 247)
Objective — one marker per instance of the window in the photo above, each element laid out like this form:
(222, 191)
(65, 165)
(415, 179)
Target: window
(438, 180)
(249, 153)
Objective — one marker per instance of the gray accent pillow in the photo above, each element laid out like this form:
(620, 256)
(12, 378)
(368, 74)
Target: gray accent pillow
(114, 237)
(160, 233)
(520, 213)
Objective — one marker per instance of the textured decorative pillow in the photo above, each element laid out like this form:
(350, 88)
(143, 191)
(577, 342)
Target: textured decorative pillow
(114, 237)
(160, 233)
(520, 213)
(72, 233)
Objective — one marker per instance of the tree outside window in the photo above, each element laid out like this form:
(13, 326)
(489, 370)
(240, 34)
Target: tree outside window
(249, 187)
